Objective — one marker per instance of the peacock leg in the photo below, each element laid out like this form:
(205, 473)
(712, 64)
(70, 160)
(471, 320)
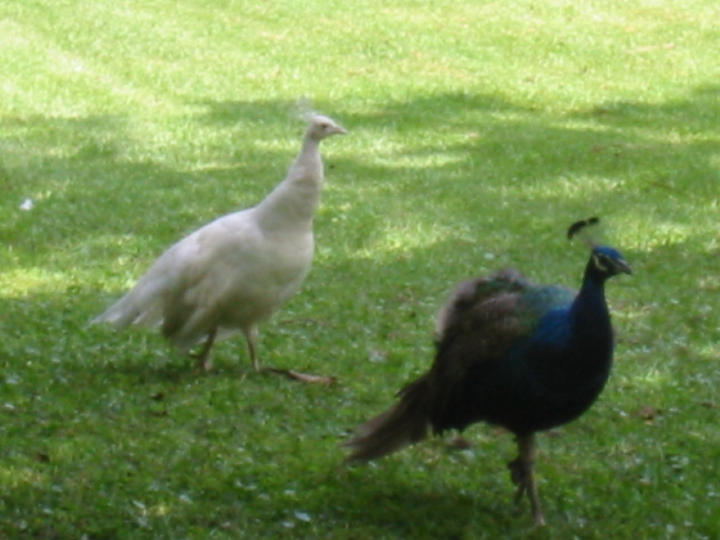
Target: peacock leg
(522, 473)
(202, 356)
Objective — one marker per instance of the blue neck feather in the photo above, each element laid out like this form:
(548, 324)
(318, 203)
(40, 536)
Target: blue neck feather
(590, 318)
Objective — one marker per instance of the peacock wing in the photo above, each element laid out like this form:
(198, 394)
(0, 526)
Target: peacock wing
(485, 319)
(465, 308)
(205, 267)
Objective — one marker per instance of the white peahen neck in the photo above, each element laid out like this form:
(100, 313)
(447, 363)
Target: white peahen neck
(292, 204)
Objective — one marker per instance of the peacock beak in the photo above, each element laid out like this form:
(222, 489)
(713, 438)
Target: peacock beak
(340, 130)
(623, 266)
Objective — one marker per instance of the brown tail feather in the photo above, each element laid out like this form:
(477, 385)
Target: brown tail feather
(404, 423)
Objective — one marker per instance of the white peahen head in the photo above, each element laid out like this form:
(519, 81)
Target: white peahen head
(320, 127)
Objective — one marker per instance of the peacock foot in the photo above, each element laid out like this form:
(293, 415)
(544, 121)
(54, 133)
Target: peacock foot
(519, 474)
(523, 476)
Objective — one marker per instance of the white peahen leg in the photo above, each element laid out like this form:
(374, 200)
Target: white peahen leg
(251, 335)
(202, 356)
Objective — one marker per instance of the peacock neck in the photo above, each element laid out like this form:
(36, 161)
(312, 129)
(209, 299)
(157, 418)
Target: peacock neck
(292, 204)
(589, 313)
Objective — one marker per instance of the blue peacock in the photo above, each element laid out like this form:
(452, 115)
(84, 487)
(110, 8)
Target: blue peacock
(510, 353)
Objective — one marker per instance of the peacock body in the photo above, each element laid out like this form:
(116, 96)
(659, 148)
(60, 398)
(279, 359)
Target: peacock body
(236, 271)
(509, 353)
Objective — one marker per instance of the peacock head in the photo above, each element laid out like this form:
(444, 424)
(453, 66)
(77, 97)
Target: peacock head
(606, 262)
(320, 127)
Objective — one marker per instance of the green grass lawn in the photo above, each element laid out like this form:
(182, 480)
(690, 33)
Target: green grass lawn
(479, 131)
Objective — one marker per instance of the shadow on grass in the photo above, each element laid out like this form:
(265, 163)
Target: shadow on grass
(393, 499)
(366, 502)
(499, 151)
(386, 500)
(503, 152)
(698, 111)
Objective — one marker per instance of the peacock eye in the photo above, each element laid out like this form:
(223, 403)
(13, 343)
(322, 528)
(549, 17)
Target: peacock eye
(600, 262)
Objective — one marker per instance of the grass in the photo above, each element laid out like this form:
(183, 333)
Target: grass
(479, 131)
